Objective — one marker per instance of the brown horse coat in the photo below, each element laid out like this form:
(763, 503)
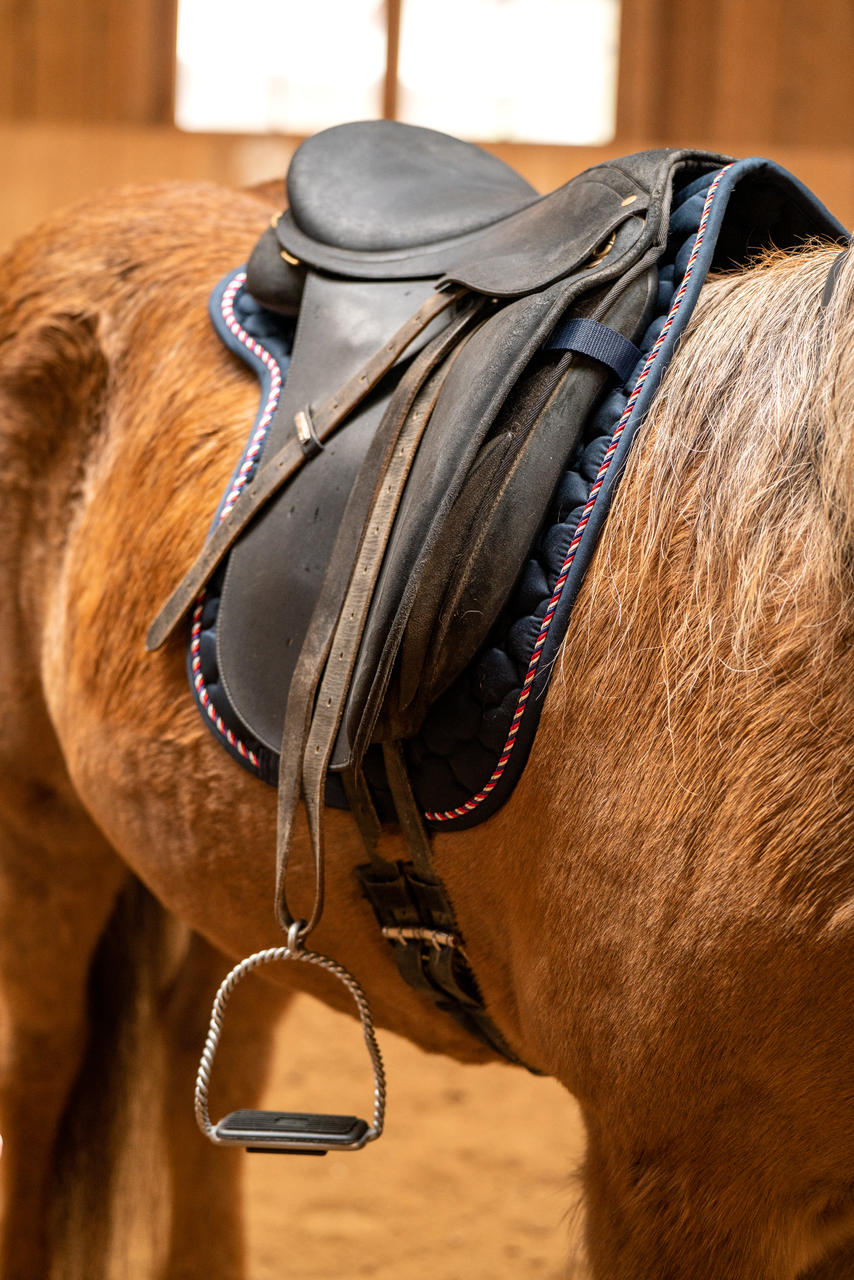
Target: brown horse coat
(661, 916)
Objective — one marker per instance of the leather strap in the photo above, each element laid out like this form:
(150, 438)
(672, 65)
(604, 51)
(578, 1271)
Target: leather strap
(336, 628)
(328, 416)
(323, 420)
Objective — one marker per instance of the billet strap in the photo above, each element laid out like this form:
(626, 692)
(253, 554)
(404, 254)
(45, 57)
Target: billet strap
(321, 678)
(414, 912)
(312, 428)
(417, 919)
(408, 813)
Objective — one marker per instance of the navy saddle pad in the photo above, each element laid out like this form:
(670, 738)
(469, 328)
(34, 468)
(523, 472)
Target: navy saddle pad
(529, 413)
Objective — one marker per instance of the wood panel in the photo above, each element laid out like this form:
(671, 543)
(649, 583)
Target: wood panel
(88, 60)
(47, 167)
(775, 71)
(772, 72)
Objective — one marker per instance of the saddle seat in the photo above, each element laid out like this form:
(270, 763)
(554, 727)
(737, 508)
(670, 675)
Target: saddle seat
(382, 187)
(382, 201)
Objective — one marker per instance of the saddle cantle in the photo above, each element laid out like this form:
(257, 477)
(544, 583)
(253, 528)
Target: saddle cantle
(393, 565)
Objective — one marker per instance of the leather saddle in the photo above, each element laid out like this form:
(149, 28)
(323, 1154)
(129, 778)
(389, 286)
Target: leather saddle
(385, 218)
(452, 334)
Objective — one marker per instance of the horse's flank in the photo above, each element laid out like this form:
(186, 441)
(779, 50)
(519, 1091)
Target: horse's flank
(661, 916)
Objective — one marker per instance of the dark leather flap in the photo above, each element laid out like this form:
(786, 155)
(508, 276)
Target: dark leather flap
(485, 539)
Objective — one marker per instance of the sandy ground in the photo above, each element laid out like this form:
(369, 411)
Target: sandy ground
(474, 1178)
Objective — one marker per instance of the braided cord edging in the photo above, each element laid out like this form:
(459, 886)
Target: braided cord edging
(448, 815)
(247, 465)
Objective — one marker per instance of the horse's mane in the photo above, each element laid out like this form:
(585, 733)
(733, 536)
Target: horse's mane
(742, 484)
(727, 568)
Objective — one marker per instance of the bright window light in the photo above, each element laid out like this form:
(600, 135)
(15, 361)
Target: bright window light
(513, 70)
(262, 66)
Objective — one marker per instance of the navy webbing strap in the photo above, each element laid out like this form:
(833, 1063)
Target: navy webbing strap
(590, 338)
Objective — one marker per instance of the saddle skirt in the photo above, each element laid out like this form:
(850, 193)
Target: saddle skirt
(528, 409)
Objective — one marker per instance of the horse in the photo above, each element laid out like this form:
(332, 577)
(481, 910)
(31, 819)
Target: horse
(661, 916)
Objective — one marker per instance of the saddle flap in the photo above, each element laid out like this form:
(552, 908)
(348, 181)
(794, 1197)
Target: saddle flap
(474, 470)
(267, 597)
(485, 538)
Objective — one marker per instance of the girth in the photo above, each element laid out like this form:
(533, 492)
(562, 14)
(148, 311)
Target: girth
(467, 366)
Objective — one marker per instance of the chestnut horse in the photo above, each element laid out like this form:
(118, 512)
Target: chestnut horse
(662, 915)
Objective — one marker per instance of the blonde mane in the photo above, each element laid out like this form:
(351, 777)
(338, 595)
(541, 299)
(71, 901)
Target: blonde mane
(736, 521)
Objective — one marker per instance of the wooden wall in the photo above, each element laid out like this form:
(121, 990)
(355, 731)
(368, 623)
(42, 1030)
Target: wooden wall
(47, 166)
(774, 71)
(92, 61)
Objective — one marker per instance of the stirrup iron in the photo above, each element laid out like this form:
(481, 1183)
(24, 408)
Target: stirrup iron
(289, 1131)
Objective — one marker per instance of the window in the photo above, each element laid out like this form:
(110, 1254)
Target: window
(508, 70)
(511, 70)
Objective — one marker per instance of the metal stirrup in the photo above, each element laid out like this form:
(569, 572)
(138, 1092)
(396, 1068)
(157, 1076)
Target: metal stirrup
(289, 1131)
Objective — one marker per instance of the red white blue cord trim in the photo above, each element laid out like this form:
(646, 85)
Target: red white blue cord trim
(250, 456)
(244, 470)
(448, 815)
